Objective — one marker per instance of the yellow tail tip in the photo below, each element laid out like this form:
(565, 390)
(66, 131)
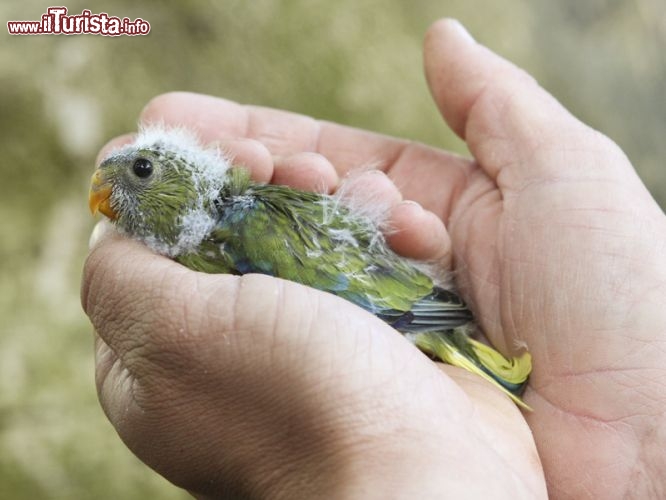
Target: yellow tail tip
(512, 371)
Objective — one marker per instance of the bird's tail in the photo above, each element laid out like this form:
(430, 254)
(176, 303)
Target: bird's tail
(457, 348)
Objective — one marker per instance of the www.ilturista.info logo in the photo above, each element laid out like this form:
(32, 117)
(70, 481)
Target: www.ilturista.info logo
(57, 22)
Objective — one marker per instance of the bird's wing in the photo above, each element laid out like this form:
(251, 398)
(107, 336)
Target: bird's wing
(311, 239)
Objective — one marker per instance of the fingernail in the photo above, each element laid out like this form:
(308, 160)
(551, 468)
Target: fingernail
(102, 228)
(457, 25)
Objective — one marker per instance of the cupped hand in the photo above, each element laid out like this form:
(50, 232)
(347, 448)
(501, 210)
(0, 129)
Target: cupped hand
(256, 387)
(556, 244)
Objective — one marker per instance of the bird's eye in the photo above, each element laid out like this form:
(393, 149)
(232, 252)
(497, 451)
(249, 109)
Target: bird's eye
(142, 168)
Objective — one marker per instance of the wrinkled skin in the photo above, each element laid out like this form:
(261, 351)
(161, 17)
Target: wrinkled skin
(255, 387)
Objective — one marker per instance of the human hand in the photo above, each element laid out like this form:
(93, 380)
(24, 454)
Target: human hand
(504, 126)
(252, 386)
(557, 243)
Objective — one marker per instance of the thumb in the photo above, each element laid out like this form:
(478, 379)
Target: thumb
(204, 376)
(508, 121)
(142, 304)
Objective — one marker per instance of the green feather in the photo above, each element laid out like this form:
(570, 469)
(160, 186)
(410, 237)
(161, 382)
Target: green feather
(313, 239)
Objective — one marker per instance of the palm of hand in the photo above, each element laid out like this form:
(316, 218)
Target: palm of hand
(549, 261)
(555, 264)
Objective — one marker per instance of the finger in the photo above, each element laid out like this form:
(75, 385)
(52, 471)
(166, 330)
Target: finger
(501, 112)
(410, 230)
(422, 173)
(152, 311)
(213, 118)
(371, 190)
(282, 132)
(307, 171)
(112, 145)
(419, 234)
(250, 154)
(127, 289)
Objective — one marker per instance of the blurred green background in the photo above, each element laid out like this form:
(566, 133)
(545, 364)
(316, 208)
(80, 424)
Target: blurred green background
(359, 63)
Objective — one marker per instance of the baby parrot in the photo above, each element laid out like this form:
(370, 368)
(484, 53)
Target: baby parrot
(189, 203)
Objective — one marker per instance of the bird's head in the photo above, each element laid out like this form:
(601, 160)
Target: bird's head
(160, 189)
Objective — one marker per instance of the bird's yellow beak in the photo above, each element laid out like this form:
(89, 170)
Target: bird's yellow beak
(99, 196)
